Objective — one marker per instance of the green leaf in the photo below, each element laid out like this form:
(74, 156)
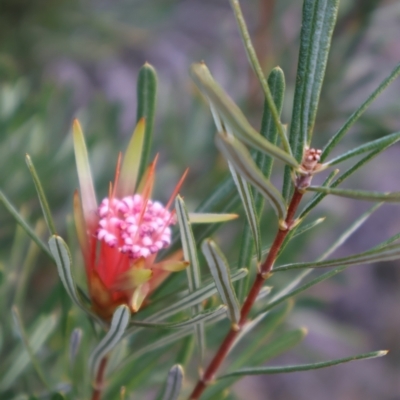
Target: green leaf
(24, 225)
(246, 255)
(270, 321)
(251, 55)
(227, 112)
(174, 383)
(170, 337)
(381, 143)
(311, 225)
(42, 197)
(210, 218)
(224, 190)
(62, 258)
(332, 248)
(146, 98)
(196, 297)
(27, 345)
(74, 343)
(57, 396)
(188, 244)
(119, 322)
(276, 83)
(387, 253)
(131, 161)
(19, 359)
(349, 231)
(393, 197)
(279, 345)
(193, 271)
(189, 322)
(318, 21)
(289, 291)
(241, 160)
(301, 367)
(88, 195)
(260, 353)
(219, 269)
(357, 114)
(246, 196)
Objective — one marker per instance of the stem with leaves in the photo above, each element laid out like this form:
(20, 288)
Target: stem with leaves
(261, 277)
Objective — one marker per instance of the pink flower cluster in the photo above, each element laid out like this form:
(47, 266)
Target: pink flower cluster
(139, 227)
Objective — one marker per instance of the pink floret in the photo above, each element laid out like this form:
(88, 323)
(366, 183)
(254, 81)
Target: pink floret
(136, 232)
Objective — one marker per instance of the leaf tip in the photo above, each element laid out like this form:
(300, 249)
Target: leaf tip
(76, 126)
(304, 331)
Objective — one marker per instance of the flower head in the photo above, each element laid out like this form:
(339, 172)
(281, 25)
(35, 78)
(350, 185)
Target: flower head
(120, 238)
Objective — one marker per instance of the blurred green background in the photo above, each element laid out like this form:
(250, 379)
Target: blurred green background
(66, 59)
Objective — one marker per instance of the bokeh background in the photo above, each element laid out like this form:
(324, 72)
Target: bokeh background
(70, 58)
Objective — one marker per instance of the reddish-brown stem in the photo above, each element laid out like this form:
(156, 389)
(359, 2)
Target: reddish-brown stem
(99, 384)
(251, 298)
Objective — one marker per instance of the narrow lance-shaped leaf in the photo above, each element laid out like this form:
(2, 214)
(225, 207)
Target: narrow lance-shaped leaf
(373, 145)
(119, 322)
(88, 195)
(188, 244)
(290, 290)
(276, 83)
(301, 367)
(318, 21)
(42, 197)
(357, 114)
(189, 322)
(270, 320)
(280, 345)
(174, 383)
(246, 196)
(27, 345)
(251, 54)
(62, 257)
(241, 160)
(196, 297)
(387, 253)
(146, 106)
(19, 359)
(164, 340)
(210, 218)
(170, 337)
(131, 161)
(393, 197)
(259, 353)
(233, 118)
(74, 343)
(193, 271)
(349, 231)
(219, 269)
(24, 225)
(224, 190)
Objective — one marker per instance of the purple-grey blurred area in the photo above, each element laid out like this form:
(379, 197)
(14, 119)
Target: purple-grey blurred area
(94, 50)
